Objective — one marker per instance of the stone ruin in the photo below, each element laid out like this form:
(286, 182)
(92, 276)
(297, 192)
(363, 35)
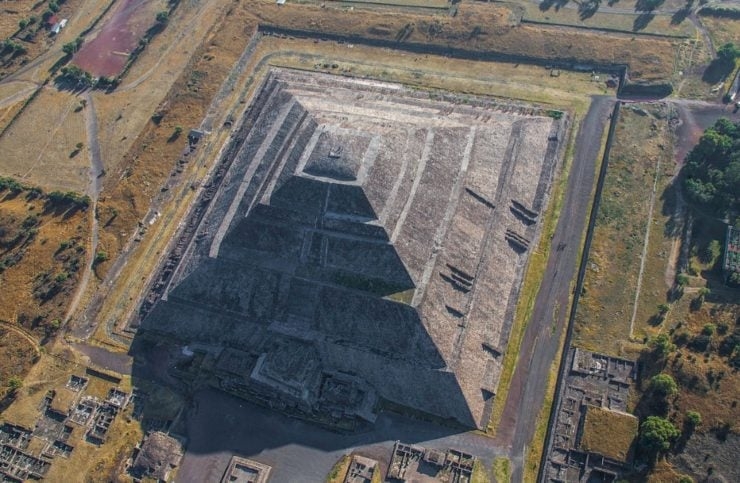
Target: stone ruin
(366, 231)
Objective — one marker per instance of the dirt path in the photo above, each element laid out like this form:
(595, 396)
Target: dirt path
(23, 333)
(96, 172)
(645, 245)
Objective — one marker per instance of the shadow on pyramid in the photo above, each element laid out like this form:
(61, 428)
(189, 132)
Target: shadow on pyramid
(302, 293)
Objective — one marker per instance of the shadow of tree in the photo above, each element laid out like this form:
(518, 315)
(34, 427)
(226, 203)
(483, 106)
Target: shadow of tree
(716, 71)
(680, 15)
(642, 21)
(546, 5)
(588, 8)
(647, 5)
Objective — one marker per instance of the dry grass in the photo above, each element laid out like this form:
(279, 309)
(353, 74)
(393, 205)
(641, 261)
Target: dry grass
(722, 30)
(625, 22)
(39, 254)
(481, 27)
(17, 356)
(609, 433)
(339, 470)
(605, 310)
(125, 113)
(708, 383)
(512, 81)
(38, 146)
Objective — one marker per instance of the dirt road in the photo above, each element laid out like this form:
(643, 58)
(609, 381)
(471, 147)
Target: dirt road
(541, 340)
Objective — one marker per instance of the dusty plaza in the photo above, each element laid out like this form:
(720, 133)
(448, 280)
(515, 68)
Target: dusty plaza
(363, 242)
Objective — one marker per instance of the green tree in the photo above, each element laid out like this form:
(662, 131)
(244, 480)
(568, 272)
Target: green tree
(708, 329)
(23, 23)
(728, 52)
(162, 17)
(663, 385)
(693, 418)
(662, 345)
(657, 434)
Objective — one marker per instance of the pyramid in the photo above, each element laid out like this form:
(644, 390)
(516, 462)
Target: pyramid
(372, 232)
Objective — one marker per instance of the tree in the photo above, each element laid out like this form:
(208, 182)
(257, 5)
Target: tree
(711, 175)
(162, 17)
(712, 252)
(23, 23)
(728, 53)
(708, 329)
(663, 309)
(662, 345)
(693, 419)
(663, 385)
(657, 434)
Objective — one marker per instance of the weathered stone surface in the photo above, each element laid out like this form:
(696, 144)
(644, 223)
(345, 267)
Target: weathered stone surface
(369, 221)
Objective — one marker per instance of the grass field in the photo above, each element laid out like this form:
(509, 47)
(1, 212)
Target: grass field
(482, 27)
(609, 433)
(660, 24)
(722, 30)
(38, 147)
(641, 159)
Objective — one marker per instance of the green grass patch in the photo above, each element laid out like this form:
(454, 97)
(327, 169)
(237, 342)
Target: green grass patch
(502, 470)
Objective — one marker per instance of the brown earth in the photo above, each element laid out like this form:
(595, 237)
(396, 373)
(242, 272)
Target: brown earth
(42, 252)
(154, 153)
(483, 28)
(17, 355)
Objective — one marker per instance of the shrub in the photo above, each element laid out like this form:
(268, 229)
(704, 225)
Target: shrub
(693, 418)
(15, 383)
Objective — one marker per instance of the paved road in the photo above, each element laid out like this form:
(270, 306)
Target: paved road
(540, 345)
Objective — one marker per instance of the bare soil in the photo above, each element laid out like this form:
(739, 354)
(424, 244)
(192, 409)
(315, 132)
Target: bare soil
(107, 53)
(43, 265)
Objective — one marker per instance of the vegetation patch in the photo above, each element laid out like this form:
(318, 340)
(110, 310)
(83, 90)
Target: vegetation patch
(610, 433)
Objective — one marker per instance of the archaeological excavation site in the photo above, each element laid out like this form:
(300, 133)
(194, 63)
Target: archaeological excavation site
(361, 242)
